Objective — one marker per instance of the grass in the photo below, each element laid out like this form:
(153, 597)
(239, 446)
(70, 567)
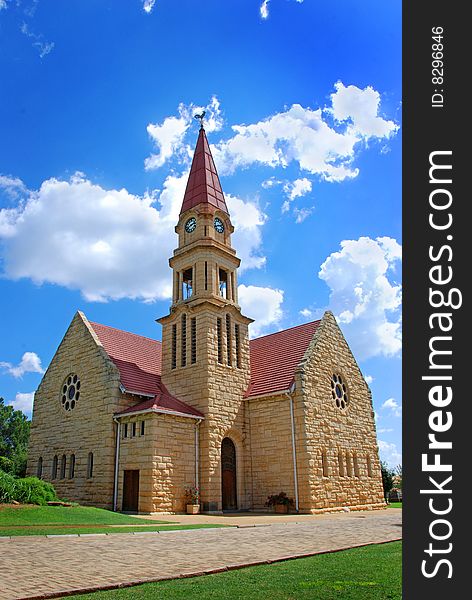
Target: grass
(60, 520)
(367, 573)
(45, 530)
(60, 515)
(395, 505)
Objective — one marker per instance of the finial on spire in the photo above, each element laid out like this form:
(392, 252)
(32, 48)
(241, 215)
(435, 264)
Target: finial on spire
(200, 116)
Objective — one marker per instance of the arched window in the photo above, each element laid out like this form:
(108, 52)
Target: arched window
(39, 470)
(356, 464)
(324, 463)
(54, 468)
(369, 466)
(72, 466)
(63, 466)
(341, 463)
(90, 465)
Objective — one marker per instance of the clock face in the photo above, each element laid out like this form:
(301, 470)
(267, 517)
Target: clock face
(219, 226)
(190, 225)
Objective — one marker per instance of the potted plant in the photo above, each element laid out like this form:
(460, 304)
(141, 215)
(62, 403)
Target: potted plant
(281, 502)
(192, 500)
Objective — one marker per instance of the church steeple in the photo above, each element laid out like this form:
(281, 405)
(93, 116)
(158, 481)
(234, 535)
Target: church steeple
(203, 185)
(204, 264)
(205, 341)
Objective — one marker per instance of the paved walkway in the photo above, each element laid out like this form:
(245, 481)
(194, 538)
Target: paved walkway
(33, 567)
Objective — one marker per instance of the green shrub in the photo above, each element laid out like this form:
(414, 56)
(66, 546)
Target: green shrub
(29, 490)
(6, 464)
(7, 487)
(32, 490)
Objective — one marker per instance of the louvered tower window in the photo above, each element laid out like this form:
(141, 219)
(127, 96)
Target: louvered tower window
(219, 340)
(184, 341)
(228, 340)
(193, 336)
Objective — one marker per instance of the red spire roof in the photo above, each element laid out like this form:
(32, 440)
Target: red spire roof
(203, 185)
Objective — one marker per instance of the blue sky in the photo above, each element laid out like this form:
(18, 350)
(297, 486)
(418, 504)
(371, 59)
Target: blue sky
(303, 105)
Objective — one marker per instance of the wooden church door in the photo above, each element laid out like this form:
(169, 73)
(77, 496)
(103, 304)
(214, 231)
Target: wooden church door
(130, 491)
(228, 475)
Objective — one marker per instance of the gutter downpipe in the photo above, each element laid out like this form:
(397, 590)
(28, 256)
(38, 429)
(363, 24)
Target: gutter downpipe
(294, 454)
(197, 452)
(117, 458)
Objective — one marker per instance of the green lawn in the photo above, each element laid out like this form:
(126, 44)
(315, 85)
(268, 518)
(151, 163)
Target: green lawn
(61, 515)
(60, 520)
(61, 530)
(368, 573)
(395, 505)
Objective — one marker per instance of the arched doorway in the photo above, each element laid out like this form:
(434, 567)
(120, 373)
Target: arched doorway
(228, 475)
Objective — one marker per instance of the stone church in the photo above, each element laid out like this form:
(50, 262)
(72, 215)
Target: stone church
(126, 422)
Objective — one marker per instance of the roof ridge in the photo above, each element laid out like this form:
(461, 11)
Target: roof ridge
(145, 337)
(288, 329)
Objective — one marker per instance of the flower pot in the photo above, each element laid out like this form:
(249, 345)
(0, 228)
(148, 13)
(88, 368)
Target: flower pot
(193, 509)
(281, 509)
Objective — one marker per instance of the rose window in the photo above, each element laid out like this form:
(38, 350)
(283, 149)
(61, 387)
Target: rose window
(339, 392)
(70, 392)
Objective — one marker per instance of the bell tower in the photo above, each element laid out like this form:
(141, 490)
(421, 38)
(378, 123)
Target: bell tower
(205, 344)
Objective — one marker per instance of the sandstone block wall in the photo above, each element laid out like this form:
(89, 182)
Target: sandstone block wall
(322, 427)
(271, 460)
(216, 390)
(165, 458)
(87, 428)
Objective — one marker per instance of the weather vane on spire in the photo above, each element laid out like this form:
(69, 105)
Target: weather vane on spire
(200, 116)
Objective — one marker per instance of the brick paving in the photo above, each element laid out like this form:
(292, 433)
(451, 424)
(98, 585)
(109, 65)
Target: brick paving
(40, 567)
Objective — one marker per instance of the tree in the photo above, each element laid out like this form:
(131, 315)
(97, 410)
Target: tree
(398, 477)
(387, 478)
(14, 435)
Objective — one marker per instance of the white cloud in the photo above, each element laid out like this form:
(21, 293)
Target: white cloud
(30, 363)
(306, 312)
(109, 244)
(3, 4)
(392, 405)
(23, 402)
(302, 213)
(363, 295)
(389, 453)
(264, 9)
(13, 187)
(263, 304)
(385, 430)
(369, 379)
(307, 137)
(148, 5)
(168, 136)
(247, 219)
(43, 47)
(298, 187)
(361, 109)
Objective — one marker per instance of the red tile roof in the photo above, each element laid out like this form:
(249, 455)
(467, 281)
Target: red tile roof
(139, 361)
(203, 185)
(274, 358)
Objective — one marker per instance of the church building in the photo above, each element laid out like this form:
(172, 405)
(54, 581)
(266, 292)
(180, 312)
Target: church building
(125, 422)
